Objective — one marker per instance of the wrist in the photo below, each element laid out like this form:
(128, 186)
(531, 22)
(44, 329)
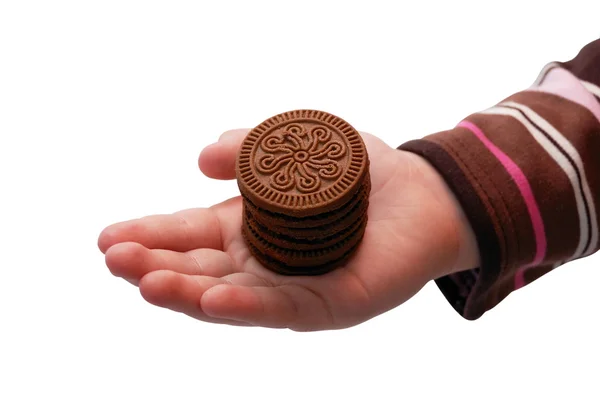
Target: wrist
(460, 250)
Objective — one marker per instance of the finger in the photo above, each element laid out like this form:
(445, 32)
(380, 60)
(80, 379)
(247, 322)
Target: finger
(290, 307)
(131, 261)
(181, 293)
(182, 231)
(218, 160)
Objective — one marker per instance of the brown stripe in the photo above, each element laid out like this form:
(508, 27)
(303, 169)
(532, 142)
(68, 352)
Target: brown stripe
(579, 179)
(578, 125)
(510, 209)
(536, 273)
(550, 185)
(478, 212)
(506, 285)
(586, 65)
(501, 289)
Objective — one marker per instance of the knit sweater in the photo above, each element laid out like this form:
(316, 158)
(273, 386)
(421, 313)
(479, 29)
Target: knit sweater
(527, 175)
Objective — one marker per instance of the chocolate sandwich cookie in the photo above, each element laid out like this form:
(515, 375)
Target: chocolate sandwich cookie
(283, 268)
(356, 204)
(320, 239)
(304, 178)
(302, 262)
(301, 163)
(323, 231)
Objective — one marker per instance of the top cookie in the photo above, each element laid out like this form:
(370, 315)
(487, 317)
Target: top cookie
(301, 163)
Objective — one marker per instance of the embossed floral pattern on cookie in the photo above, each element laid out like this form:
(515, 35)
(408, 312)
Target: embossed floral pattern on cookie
(301, 157)
(301, 163)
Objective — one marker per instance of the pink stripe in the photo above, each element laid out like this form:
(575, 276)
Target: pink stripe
(526, 192)
(563, 83)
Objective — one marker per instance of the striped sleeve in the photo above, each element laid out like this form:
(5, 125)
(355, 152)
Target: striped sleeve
(527, 175)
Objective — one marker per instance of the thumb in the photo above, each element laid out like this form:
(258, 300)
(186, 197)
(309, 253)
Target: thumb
(218, 160)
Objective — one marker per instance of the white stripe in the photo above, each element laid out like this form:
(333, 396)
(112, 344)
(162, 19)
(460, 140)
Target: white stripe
(574, 154)
(544, 72)
(560, 159)
(592, 88)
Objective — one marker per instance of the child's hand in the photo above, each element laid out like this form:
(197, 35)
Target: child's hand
(196, 262)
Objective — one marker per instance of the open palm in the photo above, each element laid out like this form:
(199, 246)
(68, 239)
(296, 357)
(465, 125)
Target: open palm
(196, 262)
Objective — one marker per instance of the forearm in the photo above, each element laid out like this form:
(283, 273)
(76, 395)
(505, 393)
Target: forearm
(526, 174)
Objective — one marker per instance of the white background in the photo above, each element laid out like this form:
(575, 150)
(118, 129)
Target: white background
(104, 107)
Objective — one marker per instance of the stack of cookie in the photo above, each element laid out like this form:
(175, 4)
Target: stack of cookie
(304, 179)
